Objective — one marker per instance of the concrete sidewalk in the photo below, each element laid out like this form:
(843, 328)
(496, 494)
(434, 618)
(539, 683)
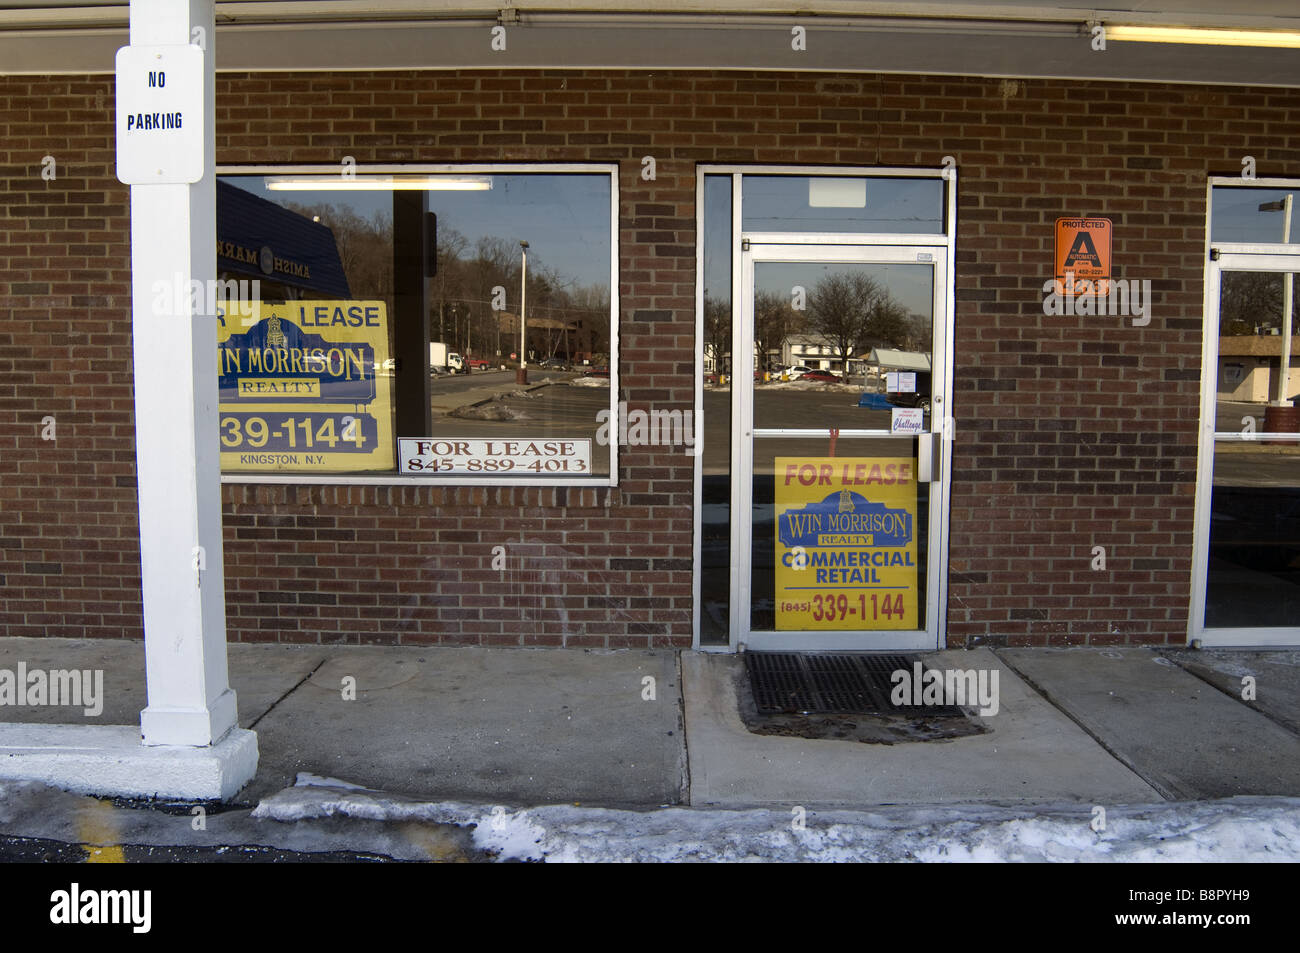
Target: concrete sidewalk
(621, 728)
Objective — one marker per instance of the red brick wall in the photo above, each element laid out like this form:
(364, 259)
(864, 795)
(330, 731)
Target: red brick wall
(1070, 432)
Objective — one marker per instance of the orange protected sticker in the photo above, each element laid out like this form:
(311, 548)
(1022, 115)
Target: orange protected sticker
(1083, 248)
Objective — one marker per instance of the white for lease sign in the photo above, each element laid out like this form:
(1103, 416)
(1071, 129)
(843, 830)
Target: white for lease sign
(524, 456)
(160, 115)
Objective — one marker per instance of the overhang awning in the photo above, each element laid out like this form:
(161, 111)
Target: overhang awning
(1004, 38)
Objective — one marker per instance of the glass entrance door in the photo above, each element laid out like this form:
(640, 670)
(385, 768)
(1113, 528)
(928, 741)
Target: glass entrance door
(1246, 588)
(839, 494)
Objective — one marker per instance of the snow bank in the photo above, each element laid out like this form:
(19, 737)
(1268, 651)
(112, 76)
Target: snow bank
(1251, 829)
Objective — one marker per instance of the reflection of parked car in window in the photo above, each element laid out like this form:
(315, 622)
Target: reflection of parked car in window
(919, 398)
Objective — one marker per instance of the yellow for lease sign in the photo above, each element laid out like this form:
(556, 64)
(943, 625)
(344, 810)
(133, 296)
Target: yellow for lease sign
(846, 543)
(303, 387)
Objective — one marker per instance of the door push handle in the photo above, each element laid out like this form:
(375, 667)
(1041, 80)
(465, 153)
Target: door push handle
(929, 447)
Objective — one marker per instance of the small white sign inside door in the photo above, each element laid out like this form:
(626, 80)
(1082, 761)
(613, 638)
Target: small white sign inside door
(906, 420)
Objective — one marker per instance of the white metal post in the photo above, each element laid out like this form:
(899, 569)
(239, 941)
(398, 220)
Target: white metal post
(522, 376)
(173, 243)
(192, 745)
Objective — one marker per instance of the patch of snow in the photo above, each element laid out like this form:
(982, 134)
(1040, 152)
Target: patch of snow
(588, 382)
(1245, 829)
(307, 779)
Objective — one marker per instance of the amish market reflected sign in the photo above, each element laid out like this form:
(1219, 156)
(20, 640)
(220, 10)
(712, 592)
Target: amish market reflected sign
(160, 115)
(299, 389)
(265, 260)
(846, 555)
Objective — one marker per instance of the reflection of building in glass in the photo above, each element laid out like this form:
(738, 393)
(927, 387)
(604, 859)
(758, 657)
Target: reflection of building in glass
(292, 256)
(808, 350)
(573, 341)
(1249, 366)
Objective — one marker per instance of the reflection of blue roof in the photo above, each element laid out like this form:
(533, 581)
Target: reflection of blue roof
(252, 232)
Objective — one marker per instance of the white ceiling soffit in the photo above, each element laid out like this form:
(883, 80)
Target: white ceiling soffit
(1004, 38)
(1242, 14)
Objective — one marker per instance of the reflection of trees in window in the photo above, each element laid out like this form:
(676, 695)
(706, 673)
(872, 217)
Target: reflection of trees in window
(717, 329)
(854, 312)
(564, 319)
(365, 247)
(888, 325)
(920, 333)
(775, 321)
(448, 286)
(1250, 303)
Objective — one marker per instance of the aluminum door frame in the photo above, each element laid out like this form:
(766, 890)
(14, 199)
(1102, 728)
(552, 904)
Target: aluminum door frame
(1241, 258)
(848, 249)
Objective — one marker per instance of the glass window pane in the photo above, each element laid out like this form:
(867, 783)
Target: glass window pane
(441, 259)
(1251, 215)
(813, 318)
(1253, 577)
(800, 203)
(715, 518)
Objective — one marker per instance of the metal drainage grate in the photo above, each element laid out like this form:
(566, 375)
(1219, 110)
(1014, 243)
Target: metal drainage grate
(817, 683)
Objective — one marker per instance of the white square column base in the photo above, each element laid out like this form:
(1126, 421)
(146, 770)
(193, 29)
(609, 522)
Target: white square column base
(110, 760)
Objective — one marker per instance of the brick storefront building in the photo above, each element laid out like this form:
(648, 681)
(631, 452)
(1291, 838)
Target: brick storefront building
(1068, 433)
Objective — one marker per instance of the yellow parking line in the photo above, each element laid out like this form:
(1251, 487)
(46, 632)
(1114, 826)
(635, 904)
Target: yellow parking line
(97, 833)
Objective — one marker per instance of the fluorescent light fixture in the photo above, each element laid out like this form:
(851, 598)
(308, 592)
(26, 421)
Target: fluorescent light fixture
(1204, 37)
(379, 183)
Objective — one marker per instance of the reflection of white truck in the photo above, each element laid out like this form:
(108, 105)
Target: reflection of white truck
(443, 360)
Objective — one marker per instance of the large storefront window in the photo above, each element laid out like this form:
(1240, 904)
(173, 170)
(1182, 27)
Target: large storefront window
(454, 325)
